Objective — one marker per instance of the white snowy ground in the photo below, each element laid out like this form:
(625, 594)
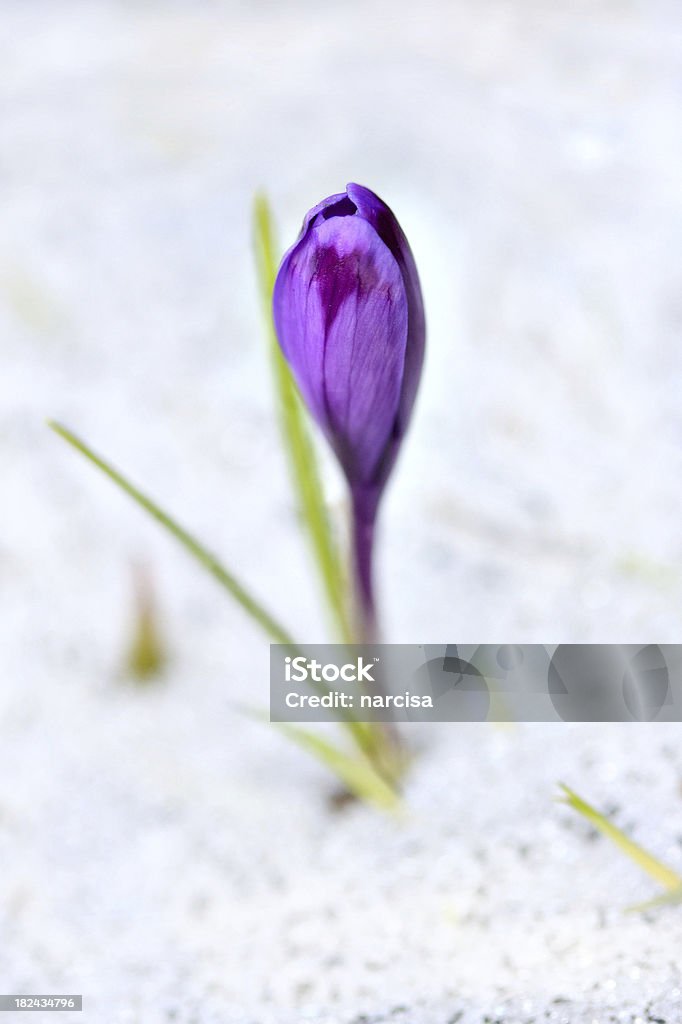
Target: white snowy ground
(158, 854)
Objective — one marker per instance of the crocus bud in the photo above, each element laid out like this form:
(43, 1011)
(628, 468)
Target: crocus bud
(350, 321)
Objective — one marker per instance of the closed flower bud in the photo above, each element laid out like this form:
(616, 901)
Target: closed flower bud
(350, 321)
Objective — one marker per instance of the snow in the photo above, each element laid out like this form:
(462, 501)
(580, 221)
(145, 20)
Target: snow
(160, 854)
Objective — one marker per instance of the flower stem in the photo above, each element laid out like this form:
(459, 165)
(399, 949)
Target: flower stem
(386, 750)
(364, 513)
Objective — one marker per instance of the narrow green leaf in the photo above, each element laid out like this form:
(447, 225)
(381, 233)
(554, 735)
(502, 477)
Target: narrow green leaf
(303, 463)
(250, 605)
(648, 863)
(671, 898)
(355, 772)
(300, 452)
(147, 655)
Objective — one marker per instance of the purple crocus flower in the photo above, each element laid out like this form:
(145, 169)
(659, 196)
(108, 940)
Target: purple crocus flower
(350, 321)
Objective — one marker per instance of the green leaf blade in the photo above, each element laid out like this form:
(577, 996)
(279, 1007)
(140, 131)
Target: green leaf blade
(297, 443)
(671, 898)
(225, 578)
(653, 867)
(355, 772)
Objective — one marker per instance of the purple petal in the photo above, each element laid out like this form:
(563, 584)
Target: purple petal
(299, 325)
(342, 319)
(332, 206)
(375, 211)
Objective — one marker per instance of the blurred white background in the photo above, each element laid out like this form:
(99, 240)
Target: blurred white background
(532, 152)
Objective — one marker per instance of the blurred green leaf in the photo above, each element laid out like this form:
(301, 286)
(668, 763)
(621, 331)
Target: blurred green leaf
(666, 900)
(370, 738)
(300, 451)
(146, 657)
(354, 771)
(357, 773)
(662, 874)
(250, 605)
(147, 654)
